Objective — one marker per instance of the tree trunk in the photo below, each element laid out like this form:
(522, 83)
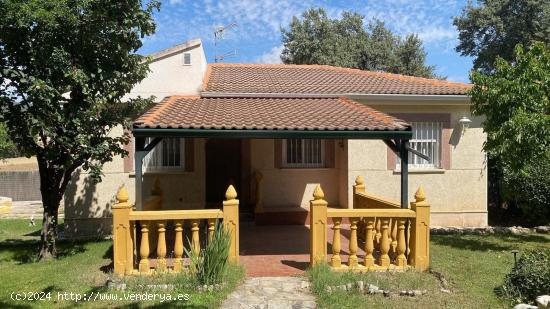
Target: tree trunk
(48, 235)
(52, 186)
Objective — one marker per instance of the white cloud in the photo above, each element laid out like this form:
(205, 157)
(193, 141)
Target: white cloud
(172, 2)
(272, 56)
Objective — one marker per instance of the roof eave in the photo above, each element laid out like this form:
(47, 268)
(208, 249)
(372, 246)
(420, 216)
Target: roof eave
(440, 99)
(233, 133)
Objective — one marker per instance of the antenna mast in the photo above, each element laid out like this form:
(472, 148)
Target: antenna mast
(219, 32)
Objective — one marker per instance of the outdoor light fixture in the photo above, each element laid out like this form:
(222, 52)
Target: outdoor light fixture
(465, 122)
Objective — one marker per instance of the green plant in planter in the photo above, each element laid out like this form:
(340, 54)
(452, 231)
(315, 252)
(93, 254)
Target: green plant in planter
(210, 264)
(530, 277)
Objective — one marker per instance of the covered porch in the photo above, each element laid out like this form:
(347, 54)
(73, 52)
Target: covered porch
(383, 225)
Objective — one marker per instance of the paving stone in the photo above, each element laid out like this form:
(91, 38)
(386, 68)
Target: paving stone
(271, 293)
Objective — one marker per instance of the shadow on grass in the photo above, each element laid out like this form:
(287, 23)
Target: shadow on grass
(488, 242)
(26, 251)
(14, 306)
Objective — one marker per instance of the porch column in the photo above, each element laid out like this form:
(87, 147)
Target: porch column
(404, 155)
(139, 154)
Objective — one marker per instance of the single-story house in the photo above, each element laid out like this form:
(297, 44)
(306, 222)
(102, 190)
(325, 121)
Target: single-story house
(277, 131)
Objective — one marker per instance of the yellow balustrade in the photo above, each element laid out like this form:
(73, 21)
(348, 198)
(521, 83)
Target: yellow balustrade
(178, 247)
(160, 222)
(394, 238)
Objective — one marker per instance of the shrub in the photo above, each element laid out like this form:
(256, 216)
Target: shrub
(529, 189)
(530, 277)
(210, 264)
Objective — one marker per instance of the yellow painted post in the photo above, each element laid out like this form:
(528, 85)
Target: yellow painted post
(401, 246)
(195, 240)
(369, 242)
(231, 221)
(420, 232)
(144, 250)
(359, 187)
(336, 260)
(161, 247)
(178, 248)
(318, 227)
(211, 228)
(123, 246)
(352, 261)
(384, 260)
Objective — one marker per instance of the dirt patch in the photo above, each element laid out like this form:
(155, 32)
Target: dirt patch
(19, 164)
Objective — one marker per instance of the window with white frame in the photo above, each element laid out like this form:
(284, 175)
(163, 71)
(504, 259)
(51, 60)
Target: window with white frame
(427, 140)
(186, 58)
(303, 153)
(167, 155)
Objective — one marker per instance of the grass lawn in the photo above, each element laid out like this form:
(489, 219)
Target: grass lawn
(473, 265)
(83, 267)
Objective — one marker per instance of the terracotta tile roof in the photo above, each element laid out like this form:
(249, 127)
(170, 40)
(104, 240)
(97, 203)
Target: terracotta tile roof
(340, 114)
(319, 79)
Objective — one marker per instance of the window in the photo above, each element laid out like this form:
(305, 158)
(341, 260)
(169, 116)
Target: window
(427, 140)
(303, 152)
(167, 155)
(186, 58)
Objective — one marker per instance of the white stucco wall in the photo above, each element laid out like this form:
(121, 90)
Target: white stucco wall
(458, 196)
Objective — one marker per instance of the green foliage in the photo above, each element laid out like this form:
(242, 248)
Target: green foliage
(65, 66)
(346, 42)
(529, 189)
(7, 147)
(530, 278)
(494, 27)
(210, 264)
(515, 101)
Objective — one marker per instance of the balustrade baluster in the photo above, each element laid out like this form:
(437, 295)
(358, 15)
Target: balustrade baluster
(211, 227)
(161, 247)
(378, 235)
(352, 261)
(393, 225)
(401, 259)
(195, 236)
(384, 259)
(144, 250)
(369, 242)
(178, 247)
(336, 261)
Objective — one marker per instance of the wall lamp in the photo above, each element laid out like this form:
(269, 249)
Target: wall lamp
(465, 123)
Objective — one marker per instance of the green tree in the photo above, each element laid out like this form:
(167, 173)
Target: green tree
(515, 101)
(7, 147)
(346, 42)
(65, 66)
(494, 27)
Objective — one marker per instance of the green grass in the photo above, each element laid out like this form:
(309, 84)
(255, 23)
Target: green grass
(474, 266)
(83, 267)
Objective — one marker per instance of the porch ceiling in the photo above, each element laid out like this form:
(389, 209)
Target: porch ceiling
(268, 118)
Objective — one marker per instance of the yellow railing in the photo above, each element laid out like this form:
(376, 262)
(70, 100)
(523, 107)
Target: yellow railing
(131, 227)
(392, 238)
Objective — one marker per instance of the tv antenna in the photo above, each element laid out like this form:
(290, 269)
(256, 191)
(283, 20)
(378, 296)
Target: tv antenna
(219, 32)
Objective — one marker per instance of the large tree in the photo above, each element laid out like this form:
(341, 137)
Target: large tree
(515, 101)
(317, 39)
(65, 66)
(494, 27)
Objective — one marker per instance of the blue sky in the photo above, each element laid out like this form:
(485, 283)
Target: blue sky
(257, 37)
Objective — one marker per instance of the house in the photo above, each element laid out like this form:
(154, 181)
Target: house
(275, 132)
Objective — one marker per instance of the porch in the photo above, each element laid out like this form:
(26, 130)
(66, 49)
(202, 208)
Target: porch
(390, 235)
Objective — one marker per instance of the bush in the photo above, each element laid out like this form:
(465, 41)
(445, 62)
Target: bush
(530, 277)
(210, 264)
(529, 190)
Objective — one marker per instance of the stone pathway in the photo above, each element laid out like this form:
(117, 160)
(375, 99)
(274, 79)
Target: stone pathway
(271, 293)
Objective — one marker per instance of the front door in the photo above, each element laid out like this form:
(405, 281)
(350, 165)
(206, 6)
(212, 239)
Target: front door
(223, 167)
